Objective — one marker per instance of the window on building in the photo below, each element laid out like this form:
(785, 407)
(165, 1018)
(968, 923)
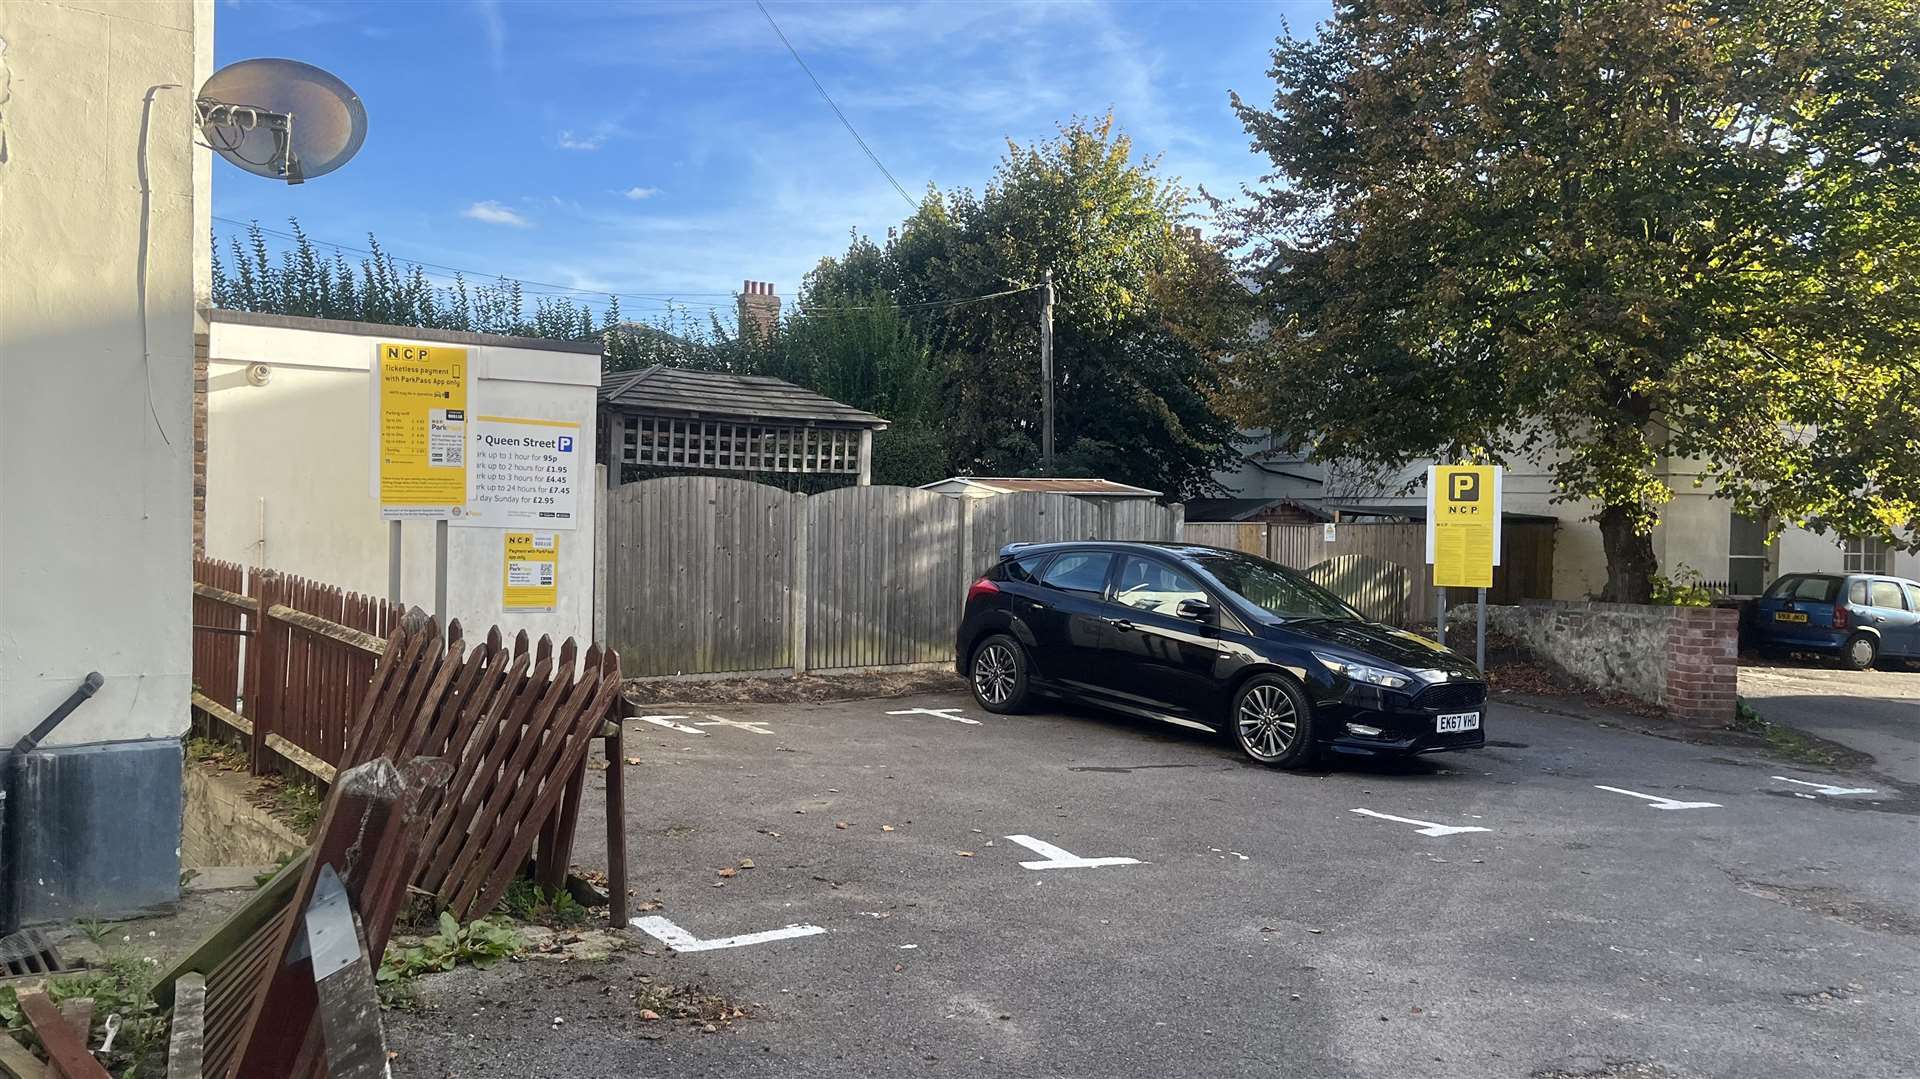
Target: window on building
(1746, 556)
(1867, 555)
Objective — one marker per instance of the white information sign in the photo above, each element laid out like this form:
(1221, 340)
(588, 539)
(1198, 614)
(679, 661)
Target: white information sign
(522, 473)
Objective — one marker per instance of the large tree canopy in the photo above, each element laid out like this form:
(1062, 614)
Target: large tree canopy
(1136, 361)
(1604, 231)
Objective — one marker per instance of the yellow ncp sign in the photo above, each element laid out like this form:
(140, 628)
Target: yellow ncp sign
(1463, 524)
(420, 429)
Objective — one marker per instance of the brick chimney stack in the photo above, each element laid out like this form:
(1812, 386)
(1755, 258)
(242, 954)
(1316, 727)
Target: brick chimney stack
(759, 308)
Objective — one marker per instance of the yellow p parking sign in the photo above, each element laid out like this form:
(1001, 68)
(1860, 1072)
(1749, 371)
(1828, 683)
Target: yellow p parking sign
(1463, 524)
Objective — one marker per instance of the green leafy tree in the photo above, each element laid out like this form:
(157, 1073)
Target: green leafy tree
(1606, 233)
(1134, 374)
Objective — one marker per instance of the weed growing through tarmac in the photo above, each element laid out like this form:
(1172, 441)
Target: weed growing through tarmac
(481, 942)
(529, 902)
(1783, 741)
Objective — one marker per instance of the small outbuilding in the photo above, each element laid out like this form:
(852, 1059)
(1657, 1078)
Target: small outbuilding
(1093, 490)
(680, 420)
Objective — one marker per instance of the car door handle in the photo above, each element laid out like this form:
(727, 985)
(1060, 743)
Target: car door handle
(1120, 624)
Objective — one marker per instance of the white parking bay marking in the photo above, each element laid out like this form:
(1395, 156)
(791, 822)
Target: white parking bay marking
(937, 713)
(1053, 857)
(1828, 789)
(712, 720)
(1658, 802)
(1427, 827)
(668, 722)
(680, 940)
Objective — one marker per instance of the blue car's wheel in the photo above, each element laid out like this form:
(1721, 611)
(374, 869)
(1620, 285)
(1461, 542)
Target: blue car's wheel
(1860, 651)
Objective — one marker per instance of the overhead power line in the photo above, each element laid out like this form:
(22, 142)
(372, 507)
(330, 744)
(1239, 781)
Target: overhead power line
(922, 305)
(828, 98)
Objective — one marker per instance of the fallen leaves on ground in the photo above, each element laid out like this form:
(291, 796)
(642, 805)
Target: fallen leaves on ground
(690, 1005)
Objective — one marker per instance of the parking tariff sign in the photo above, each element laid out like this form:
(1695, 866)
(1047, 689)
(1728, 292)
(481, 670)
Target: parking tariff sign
(1463, 524)
(524, 473)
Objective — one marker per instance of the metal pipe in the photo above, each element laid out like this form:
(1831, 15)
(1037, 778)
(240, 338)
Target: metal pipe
(11, 826)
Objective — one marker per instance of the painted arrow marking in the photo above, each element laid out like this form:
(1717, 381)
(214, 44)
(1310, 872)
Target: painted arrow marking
(712, 720)
(1427, 827)
(1659, 802)
(1053, 857)
(668, 722)
(1827, 789)
(680, 940)
(937, 713)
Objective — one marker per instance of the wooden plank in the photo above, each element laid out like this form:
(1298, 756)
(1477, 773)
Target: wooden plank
(18, 1062)
(264, 905)
(317, 626)
(220, 595)
(78, 1013)
(67, 1055)
(185, 1041)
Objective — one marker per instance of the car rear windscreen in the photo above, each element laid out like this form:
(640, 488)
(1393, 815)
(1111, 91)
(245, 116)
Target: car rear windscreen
(1811, 589)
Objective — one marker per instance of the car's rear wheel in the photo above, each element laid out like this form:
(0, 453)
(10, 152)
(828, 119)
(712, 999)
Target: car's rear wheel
(1860, 652)
(1273, 721)
(998, 674)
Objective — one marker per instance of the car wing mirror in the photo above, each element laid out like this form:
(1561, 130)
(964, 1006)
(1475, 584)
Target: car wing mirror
(1195, 610)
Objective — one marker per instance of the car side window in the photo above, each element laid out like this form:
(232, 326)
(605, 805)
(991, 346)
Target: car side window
(1857, 593)
(1149, 585)
(1913, 597)
(1080, 572)
(1886, 594)
(1026, 570)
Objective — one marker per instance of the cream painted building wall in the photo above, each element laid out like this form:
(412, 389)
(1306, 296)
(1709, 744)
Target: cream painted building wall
(97, 317)
(288, 462)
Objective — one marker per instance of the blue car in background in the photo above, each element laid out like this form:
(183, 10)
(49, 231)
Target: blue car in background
(1860, 617)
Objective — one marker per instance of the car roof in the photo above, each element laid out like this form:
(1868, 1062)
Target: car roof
(1178, 550)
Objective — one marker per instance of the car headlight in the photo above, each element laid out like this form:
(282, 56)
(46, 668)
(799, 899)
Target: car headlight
(1361, 672)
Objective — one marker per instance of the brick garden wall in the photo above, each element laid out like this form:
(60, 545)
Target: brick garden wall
(1680, 658)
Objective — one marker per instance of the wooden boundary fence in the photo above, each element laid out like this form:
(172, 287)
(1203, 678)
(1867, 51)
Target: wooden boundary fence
(712, 575)
(1382, 568)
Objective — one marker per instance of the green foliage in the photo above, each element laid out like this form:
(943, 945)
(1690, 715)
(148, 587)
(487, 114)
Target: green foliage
(1137, 360)
(260, 879)
(529, 902)
(1685, 588)
(121, 986)
(299, 802)
(481, 942)
(1602, 236)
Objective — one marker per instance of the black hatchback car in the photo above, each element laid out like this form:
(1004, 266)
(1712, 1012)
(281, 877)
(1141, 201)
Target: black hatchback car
(1212, 639)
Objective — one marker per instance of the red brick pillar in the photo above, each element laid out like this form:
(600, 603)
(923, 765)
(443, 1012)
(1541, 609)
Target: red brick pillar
(1703, 677)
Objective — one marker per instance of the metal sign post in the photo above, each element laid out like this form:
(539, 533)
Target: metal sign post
(393, 561)
(1480, 634)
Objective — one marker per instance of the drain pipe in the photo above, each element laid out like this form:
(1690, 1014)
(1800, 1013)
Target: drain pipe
(11, 777)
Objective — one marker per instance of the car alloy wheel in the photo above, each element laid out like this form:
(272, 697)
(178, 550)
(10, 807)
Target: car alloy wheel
(1267, 722)
(994, 673)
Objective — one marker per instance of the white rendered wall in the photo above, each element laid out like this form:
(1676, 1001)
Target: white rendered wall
(288, 467)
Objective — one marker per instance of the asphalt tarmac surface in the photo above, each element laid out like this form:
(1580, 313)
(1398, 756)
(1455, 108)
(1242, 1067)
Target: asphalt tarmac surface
(1264, 927)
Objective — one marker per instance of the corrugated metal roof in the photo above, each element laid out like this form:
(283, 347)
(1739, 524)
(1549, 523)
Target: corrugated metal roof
(676, 391)
(1060, 485)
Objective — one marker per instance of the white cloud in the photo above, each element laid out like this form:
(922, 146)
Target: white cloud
(495, 26)
(571, 141)
(638, 193)
(494, 213)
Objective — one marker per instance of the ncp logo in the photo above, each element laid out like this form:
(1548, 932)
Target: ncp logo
(1463, 486)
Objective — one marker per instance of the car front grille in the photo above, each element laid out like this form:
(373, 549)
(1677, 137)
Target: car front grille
(1452, 695)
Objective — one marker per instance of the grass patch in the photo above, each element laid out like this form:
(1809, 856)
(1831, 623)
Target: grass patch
(211, 751)
(298, 803)
(1783, 741)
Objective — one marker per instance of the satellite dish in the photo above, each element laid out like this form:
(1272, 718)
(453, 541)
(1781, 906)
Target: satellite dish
(281, 119)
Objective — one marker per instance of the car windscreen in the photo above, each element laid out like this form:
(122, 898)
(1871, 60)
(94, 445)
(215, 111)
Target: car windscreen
(1274, 588)
(1813, 589)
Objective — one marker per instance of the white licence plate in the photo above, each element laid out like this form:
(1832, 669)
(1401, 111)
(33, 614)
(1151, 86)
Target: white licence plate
(1454, 722)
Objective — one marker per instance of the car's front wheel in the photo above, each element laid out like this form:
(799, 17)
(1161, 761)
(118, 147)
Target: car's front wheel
(1273, 721)
(1860, 652)
(998, 674)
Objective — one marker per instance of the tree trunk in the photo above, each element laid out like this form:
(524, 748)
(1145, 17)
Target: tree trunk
(1630, 561)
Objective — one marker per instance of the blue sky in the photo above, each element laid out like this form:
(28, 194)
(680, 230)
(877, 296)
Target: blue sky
(675, 148)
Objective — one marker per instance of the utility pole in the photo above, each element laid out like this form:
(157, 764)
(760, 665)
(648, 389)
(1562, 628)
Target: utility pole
(1046, 375)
